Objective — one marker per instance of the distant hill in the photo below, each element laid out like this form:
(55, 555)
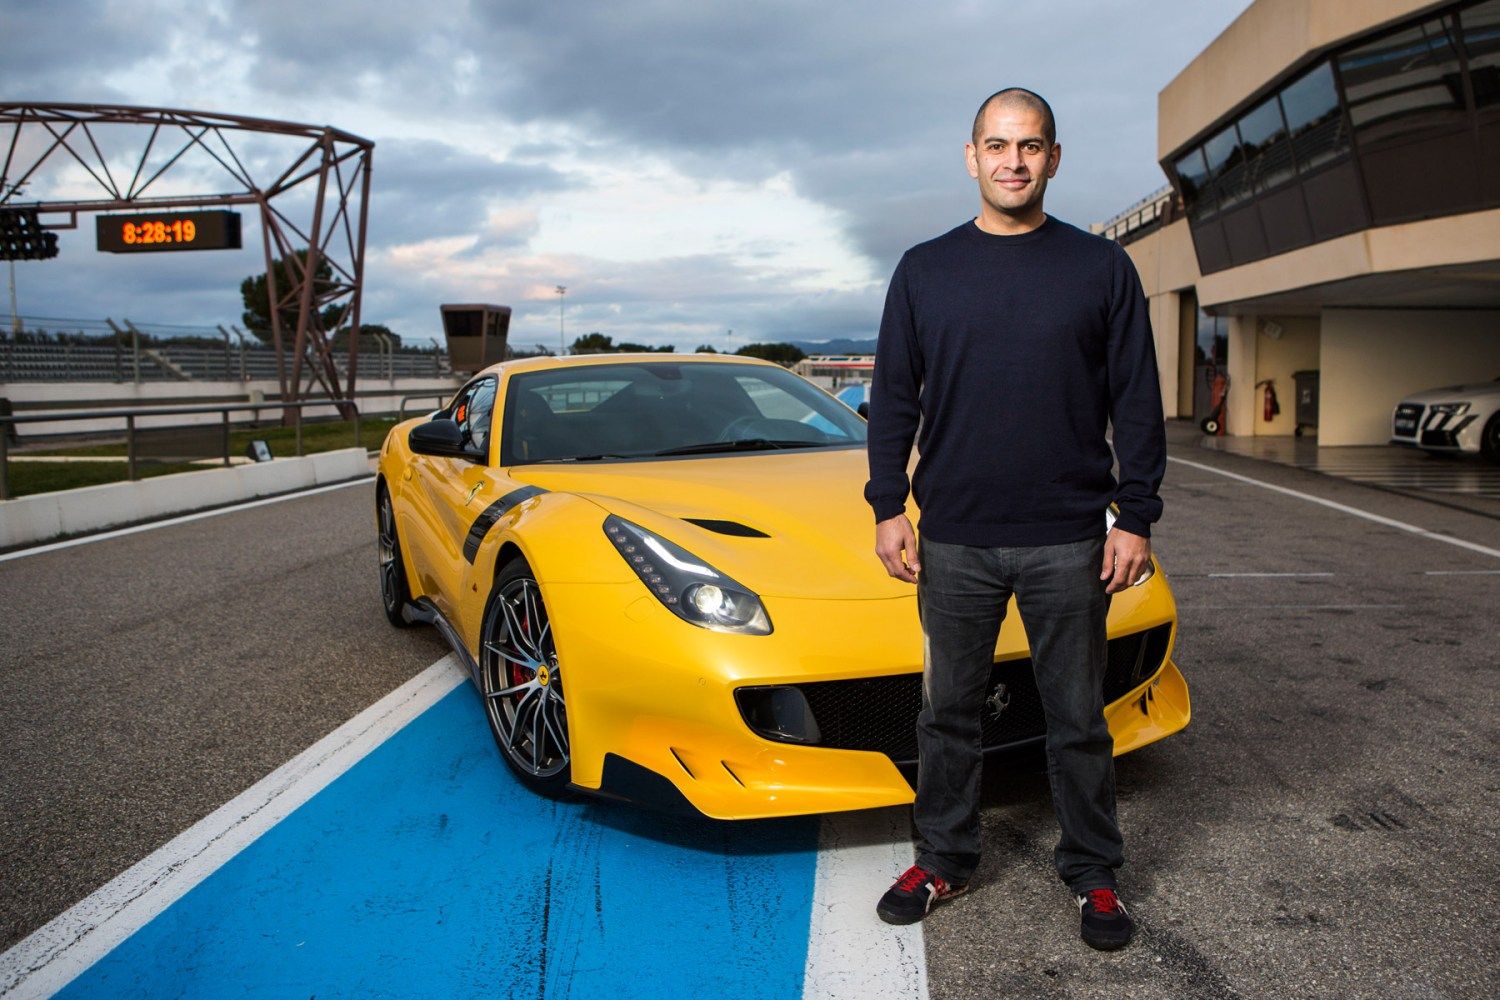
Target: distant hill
(841, 346)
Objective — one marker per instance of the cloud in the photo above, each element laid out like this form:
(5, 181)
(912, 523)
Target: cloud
(423, 189)
(684, 168)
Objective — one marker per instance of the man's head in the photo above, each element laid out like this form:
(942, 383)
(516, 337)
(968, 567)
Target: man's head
(1013, 152)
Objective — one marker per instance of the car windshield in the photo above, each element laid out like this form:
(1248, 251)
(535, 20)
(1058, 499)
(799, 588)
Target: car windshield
(659, 409)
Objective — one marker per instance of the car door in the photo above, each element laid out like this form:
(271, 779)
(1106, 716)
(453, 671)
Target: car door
(456, 489)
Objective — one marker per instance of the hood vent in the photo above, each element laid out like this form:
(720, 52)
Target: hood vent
(727, 527)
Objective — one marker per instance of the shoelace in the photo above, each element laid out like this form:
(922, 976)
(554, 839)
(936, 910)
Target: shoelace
(914, 877)
(1103, 900)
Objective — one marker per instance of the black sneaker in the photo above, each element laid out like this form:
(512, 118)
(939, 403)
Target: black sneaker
(912, 896)
(1105, 925)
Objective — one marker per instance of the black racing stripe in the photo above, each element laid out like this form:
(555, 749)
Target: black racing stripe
(487, 518)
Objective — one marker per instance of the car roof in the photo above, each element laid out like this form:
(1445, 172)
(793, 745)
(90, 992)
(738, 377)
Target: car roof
(550, 362)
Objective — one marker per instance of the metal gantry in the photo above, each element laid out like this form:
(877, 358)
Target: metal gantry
(332, 164)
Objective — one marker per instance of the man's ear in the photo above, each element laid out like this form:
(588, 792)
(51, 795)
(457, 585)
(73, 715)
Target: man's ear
(1053, 159)
(971, 160)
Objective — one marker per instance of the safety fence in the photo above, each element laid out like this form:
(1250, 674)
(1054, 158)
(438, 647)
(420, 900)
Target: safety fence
(148, 438)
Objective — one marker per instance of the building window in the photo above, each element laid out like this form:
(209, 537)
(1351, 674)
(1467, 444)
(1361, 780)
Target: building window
(1192, 178)
(1314, 119)
(1411, 122)
(1480, 30)
(1270, 155)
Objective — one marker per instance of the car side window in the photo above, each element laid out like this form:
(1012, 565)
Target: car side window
(472, 409)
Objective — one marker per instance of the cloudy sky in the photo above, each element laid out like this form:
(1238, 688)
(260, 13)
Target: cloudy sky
(686, 169)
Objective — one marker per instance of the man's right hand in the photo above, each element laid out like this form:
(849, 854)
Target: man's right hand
(896, 545)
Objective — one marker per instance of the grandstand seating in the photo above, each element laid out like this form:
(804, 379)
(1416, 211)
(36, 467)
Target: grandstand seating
(107, 363)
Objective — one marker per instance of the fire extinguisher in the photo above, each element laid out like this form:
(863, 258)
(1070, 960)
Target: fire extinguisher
(1270, 407)
(1218, 401)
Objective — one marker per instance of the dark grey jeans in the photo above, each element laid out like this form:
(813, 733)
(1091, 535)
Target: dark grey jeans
(962, 592)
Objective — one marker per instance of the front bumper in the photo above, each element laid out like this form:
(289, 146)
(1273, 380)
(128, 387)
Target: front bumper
(1435, 427)
(655, 692)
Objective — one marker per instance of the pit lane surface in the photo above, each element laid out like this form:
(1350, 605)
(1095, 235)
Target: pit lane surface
(1323, 827)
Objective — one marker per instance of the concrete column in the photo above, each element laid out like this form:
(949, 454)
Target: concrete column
(1242, 397)
(1164, 329)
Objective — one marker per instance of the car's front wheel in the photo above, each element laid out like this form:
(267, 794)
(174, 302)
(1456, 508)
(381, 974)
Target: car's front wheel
(521, 682)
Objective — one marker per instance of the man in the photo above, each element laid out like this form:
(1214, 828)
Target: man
(1012, 342)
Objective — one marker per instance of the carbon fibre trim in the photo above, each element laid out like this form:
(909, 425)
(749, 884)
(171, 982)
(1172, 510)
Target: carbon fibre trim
(487, 518)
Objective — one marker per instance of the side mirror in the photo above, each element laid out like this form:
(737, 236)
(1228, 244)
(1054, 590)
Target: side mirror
(439, 436)
(864, 410)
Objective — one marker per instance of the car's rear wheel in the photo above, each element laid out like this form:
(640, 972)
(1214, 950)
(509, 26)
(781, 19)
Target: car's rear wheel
(394, 592)
(1489, 441)
(521, 682)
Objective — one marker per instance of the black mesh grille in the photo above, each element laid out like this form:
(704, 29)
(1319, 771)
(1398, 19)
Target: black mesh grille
(880, 713)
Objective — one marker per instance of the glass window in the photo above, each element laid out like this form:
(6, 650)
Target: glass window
(1481, 34)
(1404, 85)
(1226, 165)
(1314, 120)
(1267, 151)
(1192, 175)
(653, 409)
(471, 410)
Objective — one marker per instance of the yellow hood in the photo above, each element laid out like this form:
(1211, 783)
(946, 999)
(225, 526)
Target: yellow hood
(821, 532)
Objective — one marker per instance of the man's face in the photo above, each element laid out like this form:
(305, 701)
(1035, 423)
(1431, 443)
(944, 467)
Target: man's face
(1012, 161)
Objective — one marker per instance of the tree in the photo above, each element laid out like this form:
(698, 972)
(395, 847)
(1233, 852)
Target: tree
(705, 349)
(257, 314)
(782, 354)
(643, 349)
(367, 337)
(594, 343)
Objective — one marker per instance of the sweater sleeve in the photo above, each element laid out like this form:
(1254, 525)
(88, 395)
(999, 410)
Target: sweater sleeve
(1135, 407)
(895, 409)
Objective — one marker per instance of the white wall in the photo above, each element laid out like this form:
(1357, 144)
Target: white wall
(1370, 358)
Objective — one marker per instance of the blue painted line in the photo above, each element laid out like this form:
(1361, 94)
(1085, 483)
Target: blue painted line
(427, 871)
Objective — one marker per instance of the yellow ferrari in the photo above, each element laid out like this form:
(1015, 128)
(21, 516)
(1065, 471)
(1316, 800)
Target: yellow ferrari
(660, 571)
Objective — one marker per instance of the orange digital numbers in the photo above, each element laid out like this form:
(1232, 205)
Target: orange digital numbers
(157, 231)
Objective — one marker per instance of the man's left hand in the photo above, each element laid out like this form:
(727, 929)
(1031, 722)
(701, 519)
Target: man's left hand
(1126, 558)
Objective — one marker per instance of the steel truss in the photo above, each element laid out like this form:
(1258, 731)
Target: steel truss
(333, 163)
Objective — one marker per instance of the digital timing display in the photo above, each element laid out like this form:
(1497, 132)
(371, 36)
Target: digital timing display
(156, 231)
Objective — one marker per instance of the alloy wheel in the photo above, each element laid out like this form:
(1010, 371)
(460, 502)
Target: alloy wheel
(522, 684)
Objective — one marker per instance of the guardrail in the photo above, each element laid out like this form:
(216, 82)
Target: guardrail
(132, 430)
(8, 423)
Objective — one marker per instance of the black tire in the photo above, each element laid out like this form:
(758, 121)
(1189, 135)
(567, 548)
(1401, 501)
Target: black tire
(1489, 441)
(395, 595)
(522, 684)
(1210, 425)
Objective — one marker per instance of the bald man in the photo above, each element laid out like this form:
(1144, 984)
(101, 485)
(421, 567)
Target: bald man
(1013, 342)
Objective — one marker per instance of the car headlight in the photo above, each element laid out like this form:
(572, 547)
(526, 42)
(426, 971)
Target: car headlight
(689, 588)
(1110, 516)
(1450, 408)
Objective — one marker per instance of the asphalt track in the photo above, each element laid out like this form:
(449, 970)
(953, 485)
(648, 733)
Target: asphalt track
(1324, 827)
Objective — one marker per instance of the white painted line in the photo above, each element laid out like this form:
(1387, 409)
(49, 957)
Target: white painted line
(851, 953)
(1461, 572)
(103, 535)
(1227, 575)
(56, 953)
(1345, 508)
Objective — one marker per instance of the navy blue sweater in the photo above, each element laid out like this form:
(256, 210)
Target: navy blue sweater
(1013, 354)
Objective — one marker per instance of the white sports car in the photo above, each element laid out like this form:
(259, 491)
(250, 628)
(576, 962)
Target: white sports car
(1457, 418)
